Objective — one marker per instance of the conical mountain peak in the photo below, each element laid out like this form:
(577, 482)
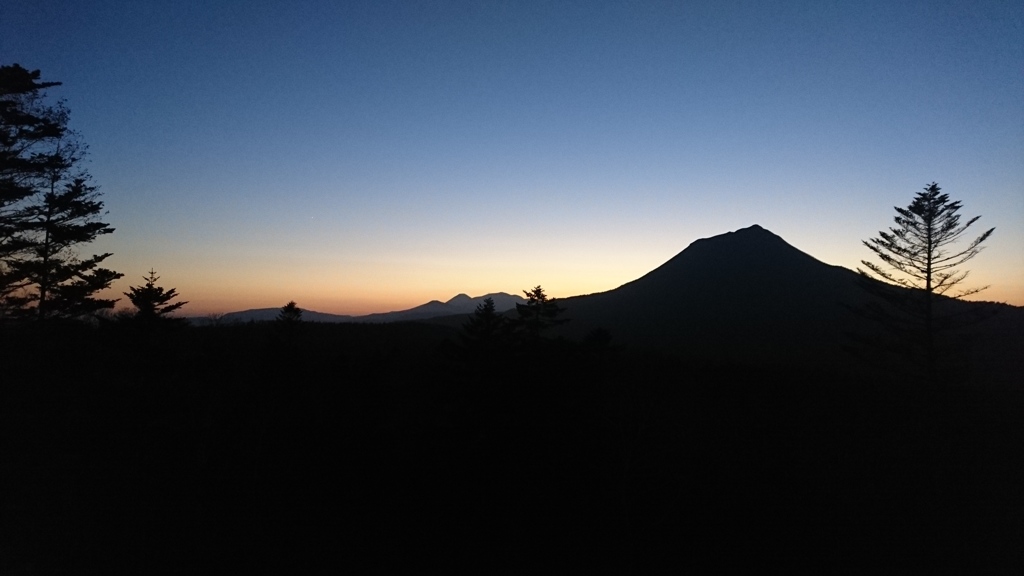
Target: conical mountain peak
(750, 235)
(725, 290)
(459, 299)
(745, 257)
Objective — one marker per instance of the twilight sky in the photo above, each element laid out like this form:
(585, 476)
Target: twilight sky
(370, 156)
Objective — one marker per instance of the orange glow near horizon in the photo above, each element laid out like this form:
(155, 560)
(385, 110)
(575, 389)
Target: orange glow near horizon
(381, 290)
(425, 153)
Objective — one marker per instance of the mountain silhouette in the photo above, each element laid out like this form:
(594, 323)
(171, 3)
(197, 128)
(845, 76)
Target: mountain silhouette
(746, 295)
(457, 305)
(461, 304)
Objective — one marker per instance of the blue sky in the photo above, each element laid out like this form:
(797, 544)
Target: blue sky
(370, 156)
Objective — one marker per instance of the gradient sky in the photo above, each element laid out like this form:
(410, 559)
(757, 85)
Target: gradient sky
(370, 156)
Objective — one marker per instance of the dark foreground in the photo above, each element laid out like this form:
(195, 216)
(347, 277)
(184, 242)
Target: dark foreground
(391, 449)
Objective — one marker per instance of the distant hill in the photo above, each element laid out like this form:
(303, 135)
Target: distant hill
(460, 304)
(268, 314)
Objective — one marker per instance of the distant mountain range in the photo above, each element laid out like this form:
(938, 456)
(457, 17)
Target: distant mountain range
(745, 295)
(458, 305)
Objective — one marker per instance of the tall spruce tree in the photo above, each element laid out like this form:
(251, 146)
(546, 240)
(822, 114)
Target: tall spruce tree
(917, 254)
(30, 131)
(47, 207)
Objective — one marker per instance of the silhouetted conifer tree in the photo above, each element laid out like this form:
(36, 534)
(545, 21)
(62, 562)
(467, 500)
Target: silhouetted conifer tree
(153, 303)
(538, 314)
(916, 254)
(486, 330)
(29, 133)
(290, 312)
(60, 284)
(47, 207)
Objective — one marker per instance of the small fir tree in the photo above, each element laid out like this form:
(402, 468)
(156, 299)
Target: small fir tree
(538, 314)
(486, 329)
(153, 303)
(290, 312)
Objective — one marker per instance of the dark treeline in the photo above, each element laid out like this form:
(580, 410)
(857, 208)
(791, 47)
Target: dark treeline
(293, 445)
